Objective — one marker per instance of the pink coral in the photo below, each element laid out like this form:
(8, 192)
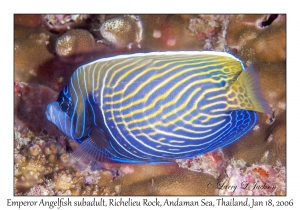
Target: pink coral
(212, 163)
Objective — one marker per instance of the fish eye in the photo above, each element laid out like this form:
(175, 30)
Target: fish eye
(65, 106)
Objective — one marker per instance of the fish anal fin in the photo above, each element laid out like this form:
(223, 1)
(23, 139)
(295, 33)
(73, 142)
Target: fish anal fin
(246, 91)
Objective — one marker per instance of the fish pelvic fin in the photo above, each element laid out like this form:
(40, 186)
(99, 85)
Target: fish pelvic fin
(245, 92)
(93, 153)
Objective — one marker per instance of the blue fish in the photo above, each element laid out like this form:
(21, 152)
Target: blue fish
(157, 107)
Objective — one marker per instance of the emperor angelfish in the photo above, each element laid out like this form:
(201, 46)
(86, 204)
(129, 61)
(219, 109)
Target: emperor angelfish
(157, 107)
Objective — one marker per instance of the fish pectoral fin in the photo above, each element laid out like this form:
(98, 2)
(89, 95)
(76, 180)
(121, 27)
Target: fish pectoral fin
(92, 153)
(246, 90)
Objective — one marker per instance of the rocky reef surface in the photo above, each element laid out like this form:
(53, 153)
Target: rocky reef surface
(48, 48)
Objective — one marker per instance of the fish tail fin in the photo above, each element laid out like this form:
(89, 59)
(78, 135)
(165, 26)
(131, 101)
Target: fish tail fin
(246, 89)
(93, 153)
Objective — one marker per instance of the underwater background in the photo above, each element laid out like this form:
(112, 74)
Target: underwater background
(49, 48)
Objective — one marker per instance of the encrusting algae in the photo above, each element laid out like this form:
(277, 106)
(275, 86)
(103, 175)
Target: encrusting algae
(42, 152)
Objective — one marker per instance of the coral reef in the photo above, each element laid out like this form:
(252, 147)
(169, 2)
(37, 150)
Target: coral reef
(64, 21)
(178, 182)
(251, 39)
(42, 167)
(124, 31)
(212, 163)
(74, 41)
(258, 179)
(32, 49)
(29, 110)
(253, 180)
(265, 47)
(48, 48)
(212, 29)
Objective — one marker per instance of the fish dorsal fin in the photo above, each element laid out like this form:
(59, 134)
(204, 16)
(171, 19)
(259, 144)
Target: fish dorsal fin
(93, 151)
(245, 93)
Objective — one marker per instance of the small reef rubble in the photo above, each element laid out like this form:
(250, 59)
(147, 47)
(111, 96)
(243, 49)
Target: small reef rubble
(48, 48)
(42, 167)
(212, 163)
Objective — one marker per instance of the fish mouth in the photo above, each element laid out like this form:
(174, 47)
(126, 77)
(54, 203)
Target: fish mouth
(50, 111)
